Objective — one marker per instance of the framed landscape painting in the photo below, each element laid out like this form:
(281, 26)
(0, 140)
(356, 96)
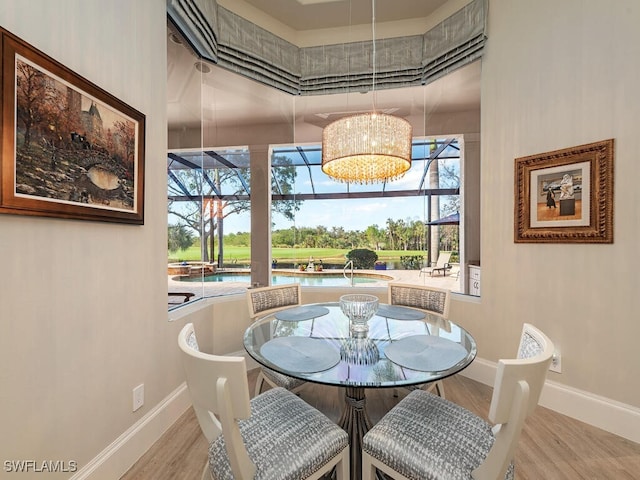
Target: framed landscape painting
(565, 196)
(69, 148)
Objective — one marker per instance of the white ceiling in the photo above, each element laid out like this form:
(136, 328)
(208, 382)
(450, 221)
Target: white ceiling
(319, 14)
(228, 99)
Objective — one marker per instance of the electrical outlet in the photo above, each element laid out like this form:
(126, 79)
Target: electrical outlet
(556, 362)
(138, 397)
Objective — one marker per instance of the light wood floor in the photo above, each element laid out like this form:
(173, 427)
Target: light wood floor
(552, 446)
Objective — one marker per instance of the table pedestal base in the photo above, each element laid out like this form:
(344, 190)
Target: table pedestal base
(356, 422)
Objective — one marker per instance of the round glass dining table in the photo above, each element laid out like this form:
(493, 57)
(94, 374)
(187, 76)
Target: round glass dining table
(403, 347)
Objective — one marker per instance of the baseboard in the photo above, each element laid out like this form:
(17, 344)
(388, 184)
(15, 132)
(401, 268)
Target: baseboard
(121, 455)
(117, 458)
(610, 415)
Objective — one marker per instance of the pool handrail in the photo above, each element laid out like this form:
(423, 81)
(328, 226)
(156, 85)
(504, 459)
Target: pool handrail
(344, 271)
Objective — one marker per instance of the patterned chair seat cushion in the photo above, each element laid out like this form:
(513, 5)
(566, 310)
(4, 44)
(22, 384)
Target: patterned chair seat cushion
(286, 439)
(281, 380)
(426, 437)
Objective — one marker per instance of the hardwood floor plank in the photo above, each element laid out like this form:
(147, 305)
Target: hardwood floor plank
(552, 446)
(180, 454)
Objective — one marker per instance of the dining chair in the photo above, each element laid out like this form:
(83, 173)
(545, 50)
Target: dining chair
(275, 435)
(428, 437)
(432, 300)
(264, 301)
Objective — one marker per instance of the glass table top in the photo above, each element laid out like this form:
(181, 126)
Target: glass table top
(403, 346)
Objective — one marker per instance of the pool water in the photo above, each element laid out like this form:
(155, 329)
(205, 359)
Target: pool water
(307, 281)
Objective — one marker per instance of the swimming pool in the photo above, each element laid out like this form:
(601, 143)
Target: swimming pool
(315, 280)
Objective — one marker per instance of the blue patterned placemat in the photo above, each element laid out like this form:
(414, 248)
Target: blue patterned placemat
(426, 353)
(300, 354)
(399, 313)
(297, 314)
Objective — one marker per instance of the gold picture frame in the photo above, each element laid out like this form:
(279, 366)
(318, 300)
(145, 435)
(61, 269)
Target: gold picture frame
(565, 196)
(69, 148)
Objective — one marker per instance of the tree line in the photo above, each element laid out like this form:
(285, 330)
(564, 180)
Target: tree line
(196, 203)
(395, 235)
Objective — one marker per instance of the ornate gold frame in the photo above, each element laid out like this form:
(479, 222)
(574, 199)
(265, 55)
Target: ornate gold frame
(594, 162)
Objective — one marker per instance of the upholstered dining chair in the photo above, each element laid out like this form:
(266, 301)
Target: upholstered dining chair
(432, 300)
(275, 435)
(263, 301)
(428, 437)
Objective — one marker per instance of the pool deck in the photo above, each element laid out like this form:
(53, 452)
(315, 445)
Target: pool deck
(214, 289)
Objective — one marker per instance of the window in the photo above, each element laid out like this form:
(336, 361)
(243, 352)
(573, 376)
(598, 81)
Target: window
(315, 220)
(313, 217)
(324, 217)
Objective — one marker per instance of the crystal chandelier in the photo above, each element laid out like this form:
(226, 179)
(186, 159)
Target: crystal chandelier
(367, 148)
(370, 147)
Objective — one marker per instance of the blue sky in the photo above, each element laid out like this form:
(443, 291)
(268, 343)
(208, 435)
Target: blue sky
(351, 214)
(355, 214)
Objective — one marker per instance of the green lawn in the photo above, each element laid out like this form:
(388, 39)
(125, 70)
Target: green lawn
(242, 255)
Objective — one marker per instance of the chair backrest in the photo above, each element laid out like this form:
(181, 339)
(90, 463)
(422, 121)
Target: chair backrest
(534, 356)
(431, 299)
(443, 259)
(218, 386)
(516, 393)
(265, 300)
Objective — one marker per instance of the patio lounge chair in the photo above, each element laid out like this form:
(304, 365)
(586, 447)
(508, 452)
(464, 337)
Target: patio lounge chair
(186, 295)
(442, 265)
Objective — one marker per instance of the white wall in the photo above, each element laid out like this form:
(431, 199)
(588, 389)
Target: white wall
(83, 304)
(556, 75)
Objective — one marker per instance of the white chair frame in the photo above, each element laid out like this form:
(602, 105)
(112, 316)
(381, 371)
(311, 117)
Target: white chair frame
(220, 395)
(516, 393)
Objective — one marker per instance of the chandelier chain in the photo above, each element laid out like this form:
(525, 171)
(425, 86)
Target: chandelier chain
(373, 53)
(367, 148)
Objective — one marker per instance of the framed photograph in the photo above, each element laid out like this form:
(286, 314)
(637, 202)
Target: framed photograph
(565, 196)
(69, 148)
